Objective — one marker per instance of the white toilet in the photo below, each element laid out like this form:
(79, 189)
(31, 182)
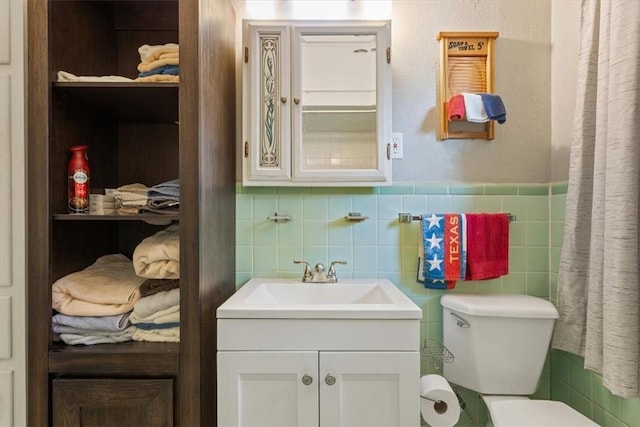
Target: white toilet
(499, 343)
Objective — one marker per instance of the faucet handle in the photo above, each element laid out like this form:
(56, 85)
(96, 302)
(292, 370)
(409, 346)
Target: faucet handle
(307, 275)
(332, 269)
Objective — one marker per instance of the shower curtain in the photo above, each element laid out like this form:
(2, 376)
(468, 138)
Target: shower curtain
(598, 290)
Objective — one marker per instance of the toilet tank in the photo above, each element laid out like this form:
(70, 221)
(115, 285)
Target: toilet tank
(499, 341)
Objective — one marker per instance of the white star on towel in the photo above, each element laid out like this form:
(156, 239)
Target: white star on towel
(434, 221)
(434, 242)
(435, 263)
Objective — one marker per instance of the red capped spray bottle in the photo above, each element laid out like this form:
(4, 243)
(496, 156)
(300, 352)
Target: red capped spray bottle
(78, 173)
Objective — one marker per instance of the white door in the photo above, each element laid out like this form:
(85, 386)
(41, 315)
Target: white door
(12, 215)
(267, 388)
(369, 389)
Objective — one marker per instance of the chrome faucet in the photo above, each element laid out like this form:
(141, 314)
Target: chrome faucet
(319, 275)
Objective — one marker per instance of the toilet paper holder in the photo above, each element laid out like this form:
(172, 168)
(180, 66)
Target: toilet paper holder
(431, 400)
(435, 351)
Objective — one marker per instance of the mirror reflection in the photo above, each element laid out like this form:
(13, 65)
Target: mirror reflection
(338, 82)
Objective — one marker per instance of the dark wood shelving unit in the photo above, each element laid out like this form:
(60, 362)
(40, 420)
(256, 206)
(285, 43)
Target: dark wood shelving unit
(136, 132)
(138, 217)
(124, 359)
(135, 102)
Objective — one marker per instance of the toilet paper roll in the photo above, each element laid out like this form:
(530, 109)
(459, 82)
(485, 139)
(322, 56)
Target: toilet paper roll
(445, 411)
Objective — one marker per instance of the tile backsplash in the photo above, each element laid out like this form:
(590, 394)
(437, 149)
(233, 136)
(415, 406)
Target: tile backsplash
(380, 246)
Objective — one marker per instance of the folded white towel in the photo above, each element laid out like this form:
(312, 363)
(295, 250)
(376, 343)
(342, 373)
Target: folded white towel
(102, 199)
(101, 210)
(150, 53)
(474, 108)
(168, 315)
(148, 306)
(157, 335)
(64, 76)
(158, 256)
(131, 195)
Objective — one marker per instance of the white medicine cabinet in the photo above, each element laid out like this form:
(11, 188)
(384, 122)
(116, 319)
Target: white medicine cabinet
(316, 103)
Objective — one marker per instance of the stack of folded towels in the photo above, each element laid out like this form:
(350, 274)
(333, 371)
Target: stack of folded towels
(156, 314)
(102, 204)
(130, 198)
(93, 305)
(159, 63)
(164, 198)
(117, 299)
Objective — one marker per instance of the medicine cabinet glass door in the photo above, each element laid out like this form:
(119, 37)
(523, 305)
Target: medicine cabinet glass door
(317, 104)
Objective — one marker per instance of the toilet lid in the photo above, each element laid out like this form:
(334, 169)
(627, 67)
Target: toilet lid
(537, 413)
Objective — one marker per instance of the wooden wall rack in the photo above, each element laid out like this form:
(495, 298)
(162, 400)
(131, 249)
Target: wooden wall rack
(466, 65)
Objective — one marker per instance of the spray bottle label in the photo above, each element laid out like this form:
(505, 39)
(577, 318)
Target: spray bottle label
(79, 192)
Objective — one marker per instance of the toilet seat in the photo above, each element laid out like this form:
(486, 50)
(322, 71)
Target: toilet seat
(536, 413)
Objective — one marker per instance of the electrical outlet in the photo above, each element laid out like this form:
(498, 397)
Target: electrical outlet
(396, 145)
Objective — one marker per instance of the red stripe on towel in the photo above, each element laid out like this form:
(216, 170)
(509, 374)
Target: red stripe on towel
(453, 245)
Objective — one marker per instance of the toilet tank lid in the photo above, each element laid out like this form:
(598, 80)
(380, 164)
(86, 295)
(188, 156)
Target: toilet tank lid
(500, 305)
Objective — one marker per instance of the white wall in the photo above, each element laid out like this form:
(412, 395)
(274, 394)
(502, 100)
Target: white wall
(12, 215)
(565, 41)
(520, 151)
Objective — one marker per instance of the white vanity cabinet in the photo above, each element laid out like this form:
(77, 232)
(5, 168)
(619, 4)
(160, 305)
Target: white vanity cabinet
(316, 103)
(318, 354)
(307, 388)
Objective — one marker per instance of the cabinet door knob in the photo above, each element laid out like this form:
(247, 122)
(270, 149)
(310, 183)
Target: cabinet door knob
(306, 379)
(330, 379)
(283, 99)
(296, 101)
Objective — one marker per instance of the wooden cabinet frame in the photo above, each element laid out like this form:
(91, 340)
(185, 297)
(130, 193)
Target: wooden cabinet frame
(206, 163)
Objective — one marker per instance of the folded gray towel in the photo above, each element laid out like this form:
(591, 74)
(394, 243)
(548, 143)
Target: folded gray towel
(169, 190)
(99, 337)
(62, 323)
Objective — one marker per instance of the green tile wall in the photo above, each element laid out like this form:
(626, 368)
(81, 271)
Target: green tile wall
(382, 247)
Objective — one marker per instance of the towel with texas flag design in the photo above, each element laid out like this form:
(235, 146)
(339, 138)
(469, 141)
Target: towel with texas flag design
(443, 250)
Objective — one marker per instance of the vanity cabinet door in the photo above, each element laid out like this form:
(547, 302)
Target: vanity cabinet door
(112, 403)
(267, 388)
(369, 389)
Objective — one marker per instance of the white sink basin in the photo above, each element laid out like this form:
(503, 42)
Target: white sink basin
(346, 299)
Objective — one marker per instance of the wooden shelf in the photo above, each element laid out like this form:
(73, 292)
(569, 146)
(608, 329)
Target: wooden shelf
(127, 358)
(137, 217)
(129, 101)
